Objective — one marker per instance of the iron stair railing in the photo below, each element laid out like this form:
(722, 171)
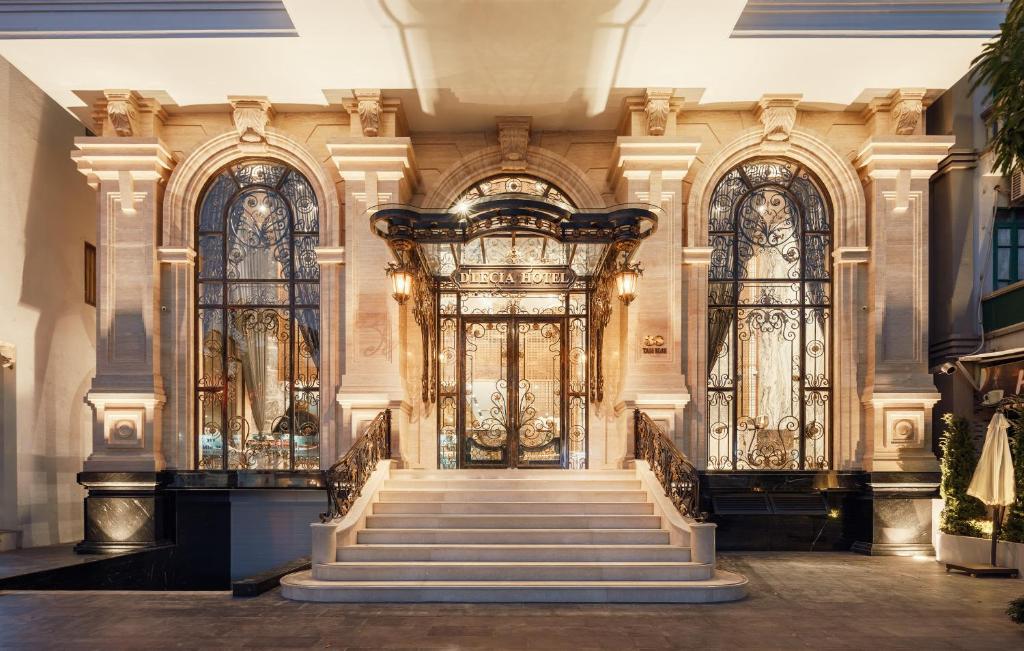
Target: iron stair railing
(345, 479)
(674, 471)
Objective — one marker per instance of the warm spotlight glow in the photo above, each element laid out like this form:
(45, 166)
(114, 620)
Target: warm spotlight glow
(462, 207)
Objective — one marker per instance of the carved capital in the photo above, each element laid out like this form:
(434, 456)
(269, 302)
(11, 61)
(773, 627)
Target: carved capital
(907, 111)
(777, 114)
(123, 112)
(657, 106)
(370, 108)
(126, 114)
(251, 116)
(513, 139)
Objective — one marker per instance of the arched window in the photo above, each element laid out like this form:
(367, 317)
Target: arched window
(769, 296)
(258, 320)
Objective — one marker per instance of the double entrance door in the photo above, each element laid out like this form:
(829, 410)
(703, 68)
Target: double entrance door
(512, 392)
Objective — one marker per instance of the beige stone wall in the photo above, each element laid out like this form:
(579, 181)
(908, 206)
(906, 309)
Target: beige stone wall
(48, 213)
(663, 154)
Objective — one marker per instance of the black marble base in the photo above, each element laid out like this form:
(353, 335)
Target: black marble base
(830, 529)
(124, 511)
(894, 514)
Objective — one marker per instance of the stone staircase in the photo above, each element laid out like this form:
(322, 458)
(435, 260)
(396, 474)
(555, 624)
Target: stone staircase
(513, 536)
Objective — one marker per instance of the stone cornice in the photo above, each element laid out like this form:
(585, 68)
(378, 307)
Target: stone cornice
(886, 156)
(389, 158)
(111, 158)
(641, 155)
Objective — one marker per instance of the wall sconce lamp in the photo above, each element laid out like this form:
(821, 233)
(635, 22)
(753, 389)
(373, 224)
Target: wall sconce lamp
(626, 280)
(401, 282)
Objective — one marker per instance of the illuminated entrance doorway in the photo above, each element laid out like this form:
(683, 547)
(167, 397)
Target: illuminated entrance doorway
(514, 378)
(512, 289)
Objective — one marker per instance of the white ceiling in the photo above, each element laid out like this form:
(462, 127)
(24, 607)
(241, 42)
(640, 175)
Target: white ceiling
(459, 63)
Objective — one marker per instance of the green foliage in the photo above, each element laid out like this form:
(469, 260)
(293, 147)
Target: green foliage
(1013, 529)
(958, 461)
(1016, 610)
(999, 69)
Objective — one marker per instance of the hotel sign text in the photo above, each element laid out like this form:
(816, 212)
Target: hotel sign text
(514, 278)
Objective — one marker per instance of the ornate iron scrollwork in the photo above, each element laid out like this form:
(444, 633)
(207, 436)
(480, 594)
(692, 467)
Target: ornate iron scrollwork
(424, 312)
(600, 315)
(345, 479)
(674, 471)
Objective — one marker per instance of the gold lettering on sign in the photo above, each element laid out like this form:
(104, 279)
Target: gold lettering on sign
(516, 278)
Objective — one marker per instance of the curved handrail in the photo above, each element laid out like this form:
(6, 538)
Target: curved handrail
(674, 471)
(345, 479)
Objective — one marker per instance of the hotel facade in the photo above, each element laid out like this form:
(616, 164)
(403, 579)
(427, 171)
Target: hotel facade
(507, 288)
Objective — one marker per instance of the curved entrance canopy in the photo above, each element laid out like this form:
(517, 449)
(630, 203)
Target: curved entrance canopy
(443, 239)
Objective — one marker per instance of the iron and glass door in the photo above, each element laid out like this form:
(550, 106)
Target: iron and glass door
(513, 411)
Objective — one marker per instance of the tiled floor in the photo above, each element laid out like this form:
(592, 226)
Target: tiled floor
(812, 601)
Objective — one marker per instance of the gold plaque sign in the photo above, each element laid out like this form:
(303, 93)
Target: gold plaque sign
(654, 345)
(518, 278)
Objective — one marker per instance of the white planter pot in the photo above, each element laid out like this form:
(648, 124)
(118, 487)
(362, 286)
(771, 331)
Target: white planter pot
(963, 549)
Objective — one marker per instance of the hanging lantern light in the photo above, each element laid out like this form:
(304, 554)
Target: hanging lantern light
(401, 282)
(626, 280)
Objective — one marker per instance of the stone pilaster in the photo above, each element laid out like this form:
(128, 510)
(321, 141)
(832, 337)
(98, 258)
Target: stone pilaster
(127, 392)
(650, 169)
(376, 170)
(124, 508)
(899, 391)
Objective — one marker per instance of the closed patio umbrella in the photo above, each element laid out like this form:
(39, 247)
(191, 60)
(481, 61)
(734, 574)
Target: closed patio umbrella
(992, 482)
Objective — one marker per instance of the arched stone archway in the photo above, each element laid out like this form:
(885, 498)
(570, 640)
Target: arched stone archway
(541, 163)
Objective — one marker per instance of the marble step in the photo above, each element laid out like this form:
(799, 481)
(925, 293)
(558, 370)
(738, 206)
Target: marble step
(514, 553)
(507, 473)
(511, 571)
(722, 586)
(477, 521)
(539, 483)
(513, 536)
(497, 508)
(534, 495)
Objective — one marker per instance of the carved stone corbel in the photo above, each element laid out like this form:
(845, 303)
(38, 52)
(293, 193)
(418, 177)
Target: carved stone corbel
(370, 108)
(907, 110)
(123, 112)
(513, 140)
(251, 116)
(777, 114)
(657, 106)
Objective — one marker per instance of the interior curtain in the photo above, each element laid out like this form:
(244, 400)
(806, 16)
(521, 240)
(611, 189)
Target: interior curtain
(719, 325)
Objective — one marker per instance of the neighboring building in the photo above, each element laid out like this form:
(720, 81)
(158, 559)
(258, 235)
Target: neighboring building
(47, 327)
(977, 247)
(456, 236)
